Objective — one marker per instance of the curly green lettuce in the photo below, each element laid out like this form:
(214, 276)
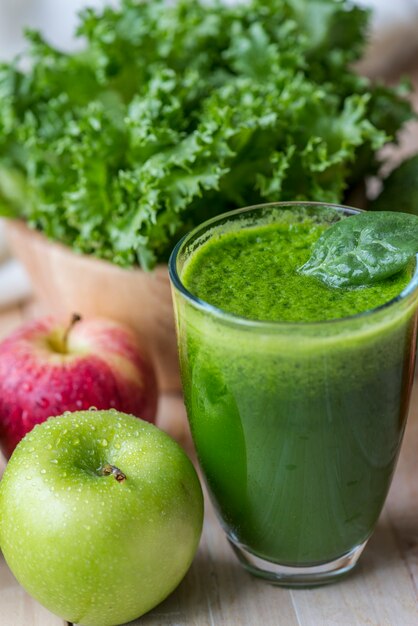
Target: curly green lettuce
(174, 112)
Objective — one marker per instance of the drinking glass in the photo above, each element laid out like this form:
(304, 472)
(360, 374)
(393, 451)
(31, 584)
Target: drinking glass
(297, 426)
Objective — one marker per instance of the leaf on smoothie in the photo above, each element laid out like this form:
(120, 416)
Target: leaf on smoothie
(363, 249)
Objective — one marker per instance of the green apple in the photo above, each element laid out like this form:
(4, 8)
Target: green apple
(100, 516)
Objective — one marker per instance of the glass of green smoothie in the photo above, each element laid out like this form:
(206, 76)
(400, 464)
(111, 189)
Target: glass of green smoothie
(296, 393)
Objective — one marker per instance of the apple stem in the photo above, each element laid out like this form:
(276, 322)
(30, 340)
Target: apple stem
(74, 319)
(108, 469)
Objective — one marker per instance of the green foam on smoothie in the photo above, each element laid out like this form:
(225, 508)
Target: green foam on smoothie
(253, 273)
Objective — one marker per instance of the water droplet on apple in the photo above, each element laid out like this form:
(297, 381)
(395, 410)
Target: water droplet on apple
(68, 488)
(93, 408)
(112, 410)
(93, 427)
(27, 387)
(48, 447)
(43, 402)
(104, 443)
(43, 471)
(117, 446)
(67, 413)
(32, 449)
(54, 461)
(76, 442)
(28, 477)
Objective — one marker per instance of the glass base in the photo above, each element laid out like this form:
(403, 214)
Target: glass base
(294, 576)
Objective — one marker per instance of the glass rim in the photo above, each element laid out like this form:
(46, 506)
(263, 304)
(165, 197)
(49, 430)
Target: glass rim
(273, 324)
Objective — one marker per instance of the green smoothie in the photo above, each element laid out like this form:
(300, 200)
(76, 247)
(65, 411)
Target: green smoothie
(297, 401)
(253, 273)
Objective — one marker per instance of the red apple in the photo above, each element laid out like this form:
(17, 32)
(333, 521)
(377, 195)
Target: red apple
(47, 367)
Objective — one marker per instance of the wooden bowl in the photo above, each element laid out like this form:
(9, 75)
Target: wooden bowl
(73, 283)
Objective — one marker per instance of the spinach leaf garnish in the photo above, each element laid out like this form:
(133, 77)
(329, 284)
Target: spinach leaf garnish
(364, 249)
